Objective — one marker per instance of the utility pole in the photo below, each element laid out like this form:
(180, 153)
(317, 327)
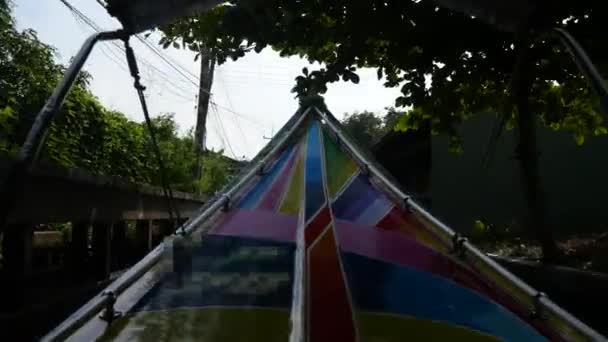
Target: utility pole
(204, 95)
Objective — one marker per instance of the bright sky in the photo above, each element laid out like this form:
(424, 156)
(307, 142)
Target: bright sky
(257, 87)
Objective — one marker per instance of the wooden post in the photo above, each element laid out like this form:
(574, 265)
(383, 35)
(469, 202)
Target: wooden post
(163, 228)
(100, 244)
(17, 265)
(143, 236)
(166, 227)
(182, 259)
(119, 245)
(79, 249)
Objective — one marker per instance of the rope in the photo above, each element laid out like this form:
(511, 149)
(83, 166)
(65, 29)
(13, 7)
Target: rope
(167, 191)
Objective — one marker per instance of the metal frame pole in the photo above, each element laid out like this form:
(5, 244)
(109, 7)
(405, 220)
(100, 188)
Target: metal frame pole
(585, 65)
(30, 150)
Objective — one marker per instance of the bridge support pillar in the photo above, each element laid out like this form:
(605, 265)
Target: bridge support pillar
(143, 236)
(120, 252)
(79, 249)
(16, 265)
(101, 259)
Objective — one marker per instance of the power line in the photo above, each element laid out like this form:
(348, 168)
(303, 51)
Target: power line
(219, 120)
(182, 71)
(223, 130)
(97, 28)
(215, 130)
(81, 15)
(167, 78)
(238, 125)
(116, 59)
(172, 64)
(162, 73)
(237, 114)
(183, 97)
(270, 75)
(109, 53)
(236, 121)
(83, 18)
(166, 58)
(112, 57)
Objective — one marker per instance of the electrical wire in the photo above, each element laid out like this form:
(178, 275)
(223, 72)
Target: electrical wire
(97, 28)
(165, 58)
(111, 54)
(253, 121)
(216, 131)
(181, 70)
(219, 120)
(81, 18)
(112, 58)
(238, 125)
(155, 50)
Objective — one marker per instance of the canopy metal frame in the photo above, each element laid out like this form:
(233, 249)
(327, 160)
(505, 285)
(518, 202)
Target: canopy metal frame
(30, 150)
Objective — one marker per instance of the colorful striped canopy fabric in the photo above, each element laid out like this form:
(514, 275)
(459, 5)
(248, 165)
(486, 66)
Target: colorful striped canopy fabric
(314, 249)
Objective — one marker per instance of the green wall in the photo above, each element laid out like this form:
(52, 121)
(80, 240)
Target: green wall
(574, 179)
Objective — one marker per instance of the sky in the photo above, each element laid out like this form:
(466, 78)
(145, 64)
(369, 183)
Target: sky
(252, 94)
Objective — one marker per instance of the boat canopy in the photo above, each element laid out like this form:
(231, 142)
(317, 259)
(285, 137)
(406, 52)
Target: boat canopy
(314, 242)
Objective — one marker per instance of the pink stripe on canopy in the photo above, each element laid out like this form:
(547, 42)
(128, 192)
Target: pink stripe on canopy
(258, 224)
(400, 249)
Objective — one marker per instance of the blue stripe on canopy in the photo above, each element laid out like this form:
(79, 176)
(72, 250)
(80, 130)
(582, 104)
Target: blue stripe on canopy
(315, 196)
(356, 198)
(382, 287)
(253, 197)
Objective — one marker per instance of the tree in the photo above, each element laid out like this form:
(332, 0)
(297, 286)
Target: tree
(367, 128)
(215, 174)
(28, 76)
(85, 134)
(469, 65)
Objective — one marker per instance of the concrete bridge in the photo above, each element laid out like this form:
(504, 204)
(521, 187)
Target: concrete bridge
(107, 225)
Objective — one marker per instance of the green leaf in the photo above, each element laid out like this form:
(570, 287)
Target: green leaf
(600, 131)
